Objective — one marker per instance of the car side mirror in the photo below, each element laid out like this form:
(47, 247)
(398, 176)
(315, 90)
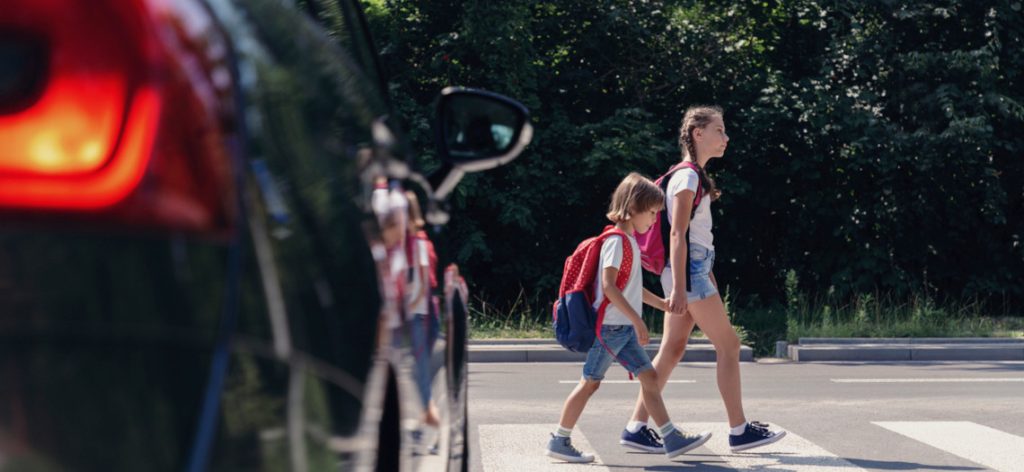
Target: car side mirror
(476, 130)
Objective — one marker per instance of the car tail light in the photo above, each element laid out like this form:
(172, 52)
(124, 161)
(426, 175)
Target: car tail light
(115, 112)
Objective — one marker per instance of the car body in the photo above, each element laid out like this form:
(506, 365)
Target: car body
(192, 268)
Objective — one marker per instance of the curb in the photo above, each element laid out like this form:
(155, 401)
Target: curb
(547, 350)
(907, 349)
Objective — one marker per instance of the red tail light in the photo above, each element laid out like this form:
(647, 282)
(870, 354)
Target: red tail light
(115, 111)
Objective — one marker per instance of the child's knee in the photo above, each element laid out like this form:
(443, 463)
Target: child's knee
(590, 386)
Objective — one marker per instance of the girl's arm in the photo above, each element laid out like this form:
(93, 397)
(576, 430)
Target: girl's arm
(424, 280)
(608, 276)
(682, 207)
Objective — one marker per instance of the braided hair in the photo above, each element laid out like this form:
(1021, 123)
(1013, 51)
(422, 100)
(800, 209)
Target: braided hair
(698, 117)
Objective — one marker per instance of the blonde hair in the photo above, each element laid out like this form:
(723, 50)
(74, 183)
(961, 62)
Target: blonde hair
(416, 222)
(635, 194)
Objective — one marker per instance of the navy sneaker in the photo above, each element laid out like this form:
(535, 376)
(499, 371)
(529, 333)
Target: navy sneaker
(645, 440)
(678, 442)
(756, 435)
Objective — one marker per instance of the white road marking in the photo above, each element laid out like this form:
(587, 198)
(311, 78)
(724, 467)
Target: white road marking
(933, 380)
(791, 453)
(987, 446)
(603, 382)
(519, 447)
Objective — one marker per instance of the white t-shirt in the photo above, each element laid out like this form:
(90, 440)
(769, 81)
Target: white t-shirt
(700, 226)
(421, 261)
(611, 256)
(396, 267)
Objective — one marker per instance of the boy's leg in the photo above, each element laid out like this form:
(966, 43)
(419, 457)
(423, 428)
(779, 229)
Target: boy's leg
(576, 402)
(673, 344)
(676, 442)
(560, 446)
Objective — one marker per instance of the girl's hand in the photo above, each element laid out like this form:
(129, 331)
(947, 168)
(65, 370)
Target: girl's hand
(641, 333)
(677, 301)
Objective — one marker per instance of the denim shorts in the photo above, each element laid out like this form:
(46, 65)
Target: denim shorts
(702, 260)
(621, 339)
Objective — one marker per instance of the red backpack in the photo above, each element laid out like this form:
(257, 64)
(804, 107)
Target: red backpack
(654, 243)
(576, 322)
(431, 255)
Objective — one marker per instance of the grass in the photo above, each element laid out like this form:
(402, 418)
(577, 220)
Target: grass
(759, 324)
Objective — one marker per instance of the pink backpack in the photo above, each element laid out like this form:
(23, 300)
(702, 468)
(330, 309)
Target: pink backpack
(654, 243)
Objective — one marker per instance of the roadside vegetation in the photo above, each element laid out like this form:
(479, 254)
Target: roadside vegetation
(760, 325)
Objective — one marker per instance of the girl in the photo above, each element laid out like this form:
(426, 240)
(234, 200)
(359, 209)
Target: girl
(702, 137)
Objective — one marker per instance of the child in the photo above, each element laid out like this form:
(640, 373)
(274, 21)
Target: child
(702, 137)
(634, 205)
(423, 326)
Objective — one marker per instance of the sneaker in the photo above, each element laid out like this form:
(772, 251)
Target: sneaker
(678, 442)
(756, 435)
(562, 448)
(643, 440)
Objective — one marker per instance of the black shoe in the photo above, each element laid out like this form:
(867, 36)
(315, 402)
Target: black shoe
(755, 435)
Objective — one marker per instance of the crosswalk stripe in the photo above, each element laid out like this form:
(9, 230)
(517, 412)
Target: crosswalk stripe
(604, 382)
(791, 453)
(987, 446)
(518, 447)
(933, 380)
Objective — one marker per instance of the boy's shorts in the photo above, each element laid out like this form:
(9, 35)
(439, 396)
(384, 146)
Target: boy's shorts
(621, 339)
(702, 260)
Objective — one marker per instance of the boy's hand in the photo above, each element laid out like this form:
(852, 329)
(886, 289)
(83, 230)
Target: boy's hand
(641, 333)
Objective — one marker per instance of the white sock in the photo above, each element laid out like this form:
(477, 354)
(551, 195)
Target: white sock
(634, 426)
(738, 430)
(563, 432)
(666, 429)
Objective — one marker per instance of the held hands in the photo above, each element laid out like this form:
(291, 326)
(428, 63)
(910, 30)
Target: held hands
(677, 300)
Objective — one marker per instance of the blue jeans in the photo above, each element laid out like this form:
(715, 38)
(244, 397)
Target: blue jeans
(702, 261)
(622, 341)
(423, 330)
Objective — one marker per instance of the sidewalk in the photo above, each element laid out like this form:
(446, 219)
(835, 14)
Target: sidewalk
(907, 349)
(807, 350)
(547, 350)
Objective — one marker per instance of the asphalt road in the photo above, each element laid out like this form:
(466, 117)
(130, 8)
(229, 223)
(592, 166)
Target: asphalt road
(952, 416)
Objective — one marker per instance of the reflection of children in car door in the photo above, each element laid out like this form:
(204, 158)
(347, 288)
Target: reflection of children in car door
(391, 209)
(423, 321)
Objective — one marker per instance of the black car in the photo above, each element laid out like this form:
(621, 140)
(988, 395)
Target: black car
(194, 270)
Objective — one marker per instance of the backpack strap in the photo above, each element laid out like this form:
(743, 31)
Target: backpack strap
(625, 270)
(410, 248)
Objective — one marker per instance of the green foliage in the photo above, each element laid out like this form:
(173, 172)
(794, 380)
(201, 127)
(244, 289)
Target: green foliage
(876, 145)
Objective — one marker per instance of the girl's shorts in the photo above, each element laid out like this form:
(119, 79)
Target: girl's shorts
(702, 260)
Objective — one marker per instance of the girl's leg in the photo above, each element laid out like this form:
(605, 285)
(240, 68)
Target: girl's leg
(711, 318)
(573, 407)
(673, 345)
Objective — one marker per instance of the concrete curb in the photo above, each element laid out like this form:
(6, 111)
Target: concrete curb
(547, 350)
(907, 349)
